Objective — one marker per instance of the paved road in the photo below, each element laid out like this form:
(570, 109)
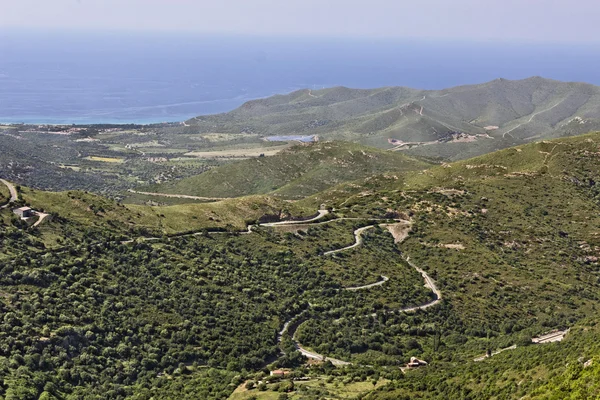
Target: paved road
(14, 196)
(429, 283)
(317, 356)
(322, 213)
(357, 237)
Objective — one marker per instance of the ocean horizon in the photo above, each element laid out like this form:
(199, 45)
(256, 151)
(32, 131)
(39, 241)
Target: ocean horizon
(87, 78)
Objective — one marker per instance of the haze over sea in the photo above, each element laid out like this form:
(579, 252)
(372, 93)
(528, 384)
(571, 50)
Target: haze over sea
(144, 78)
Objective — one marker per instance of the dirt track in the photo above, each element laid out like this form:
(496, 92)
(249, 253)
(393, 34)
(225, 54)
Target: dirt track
(429, 283)
(178, 196)
(14, 196)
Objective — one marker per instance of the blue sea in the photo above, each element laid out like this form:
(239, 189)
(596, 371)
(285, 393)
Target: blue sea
(86, 77)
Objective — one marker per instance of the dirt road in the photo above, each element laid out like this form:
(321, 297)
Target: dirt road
(42, 216)
(530, 119)
(321, 214)
(371, 285)
(178, 196)
(14, 196)
(429, 283)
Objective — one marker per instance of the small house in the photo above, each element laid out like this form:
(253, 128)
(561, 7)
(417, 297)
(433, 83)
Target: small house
(23, 212)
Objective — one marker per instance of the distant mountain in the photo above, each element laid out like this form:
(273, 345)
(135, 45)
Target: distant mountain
(294, 173)
(453, 123)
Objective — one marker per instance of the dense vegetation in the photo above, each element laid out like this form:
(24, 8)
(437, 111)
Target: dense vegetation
(511, 239)
(106, 319)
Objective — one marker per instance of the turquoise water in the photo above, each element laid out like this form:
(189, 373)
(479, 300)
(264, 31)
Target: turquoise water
(92, 78)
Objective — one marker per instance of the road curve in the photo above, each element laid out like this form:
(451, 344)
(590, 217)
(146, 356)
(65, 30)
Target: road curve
(383, 280)
(358, 241)
(321, 214)
(14, 195)
(357, 237)
(42, 217)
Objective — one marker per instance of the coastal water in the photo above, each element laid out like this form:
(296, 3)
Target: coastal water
(144, 78)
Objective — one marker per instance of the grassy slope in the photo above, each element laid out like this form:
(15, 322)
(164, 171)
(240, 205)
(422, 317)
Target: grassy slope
(528, 221)
(89, 211)
(527, 109)
(529, 262)
(301, 171)
(527, 232)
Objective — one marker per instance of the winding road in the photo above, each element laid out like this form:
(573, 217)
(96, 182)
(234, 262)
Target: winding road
(14, 196)
(429, 283)
(357, 236)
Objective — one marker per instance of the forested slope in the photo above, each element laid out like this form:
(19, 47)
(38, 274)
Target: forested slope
(511, 239)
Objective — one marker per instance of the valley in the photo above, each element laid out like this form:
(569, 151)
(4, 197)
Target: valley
(426, 126)
(337, 243)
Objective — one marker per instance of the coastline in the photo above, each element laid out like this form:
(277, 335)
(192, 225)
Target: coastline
(82, 121)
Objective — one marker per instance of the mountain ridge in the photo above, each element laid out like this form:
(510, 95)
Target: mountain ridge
(510, 111)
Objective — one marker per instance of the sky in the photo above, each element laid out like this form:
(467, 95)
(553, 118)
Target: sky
(506, 20)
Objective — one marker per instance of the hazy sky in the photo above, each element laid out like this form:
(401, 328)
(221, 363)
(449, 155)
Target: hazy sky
(529, 20)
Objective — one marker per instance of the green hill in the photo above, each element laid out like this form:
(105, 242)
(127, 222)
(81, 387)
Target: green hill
(294, 173)
(510, 238)
(492, 115)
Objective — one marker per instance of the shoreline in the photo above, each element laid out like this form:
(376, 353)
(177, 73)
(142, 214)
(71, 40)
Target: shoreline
(67, 122)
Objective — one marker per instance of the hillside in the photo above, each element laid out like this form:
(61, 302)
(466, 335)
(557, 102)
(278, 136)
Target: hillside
(443, 125)
(293, 173)
(490, 116)
(485, 254)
